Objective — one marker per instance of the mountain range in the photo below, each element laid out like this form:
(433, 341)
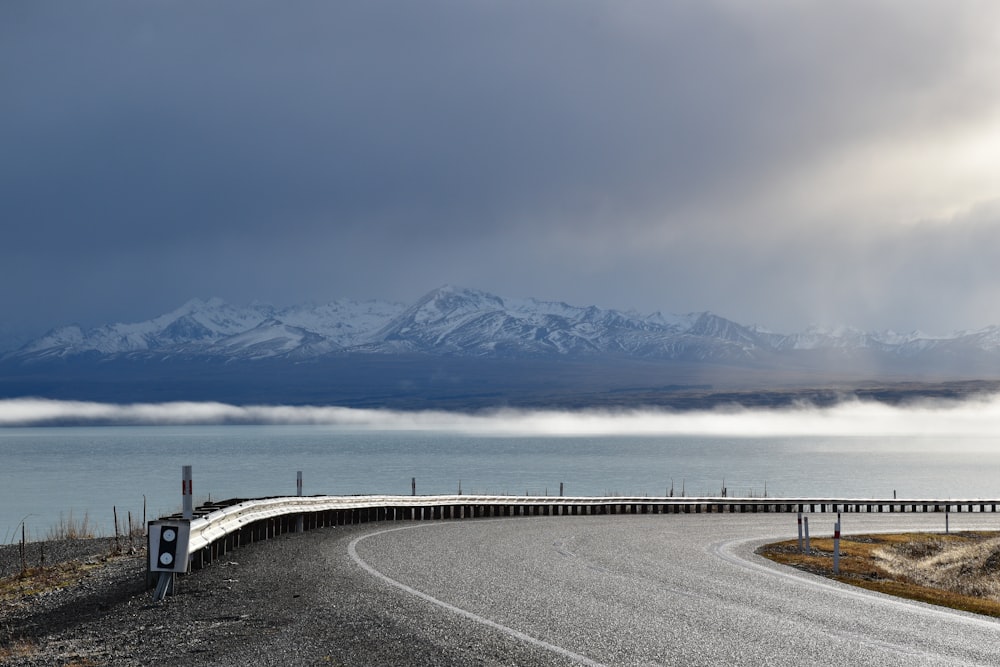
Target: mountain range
(466, 347)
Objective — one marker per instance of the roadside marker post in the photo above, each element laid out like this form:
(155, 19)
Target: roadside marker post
(805, 526)
(836, 548)
(300, 520)
(799, 521)
(187, 493)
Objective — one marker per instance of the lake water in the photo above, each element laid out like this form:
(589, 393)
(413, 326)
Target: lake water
(49, 473)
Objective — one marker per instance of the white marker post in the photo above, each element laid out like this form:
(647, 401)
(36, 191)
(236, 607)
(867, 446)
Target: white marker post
(300, 520)
(800, 531)
(836, 548)
(805, 526)
(187, 493)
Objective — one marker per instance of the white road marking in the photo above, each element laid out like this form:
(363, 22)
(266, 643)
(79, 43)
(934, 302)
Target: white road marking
(516, 634)
(725, 551)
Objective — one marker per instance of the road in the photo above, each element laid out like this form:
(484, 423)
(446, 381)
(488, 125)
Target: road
(668, 590)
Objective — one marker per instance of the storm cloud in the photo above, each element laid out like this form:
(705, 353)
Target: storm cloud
(779, 163)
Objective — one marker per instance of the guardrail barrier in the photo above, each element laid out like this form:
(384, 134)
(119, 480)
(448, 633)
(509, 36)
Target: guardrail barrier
(215, 528)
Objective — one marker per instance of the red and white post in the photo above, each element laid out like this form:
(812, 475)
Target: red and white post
(187, 493)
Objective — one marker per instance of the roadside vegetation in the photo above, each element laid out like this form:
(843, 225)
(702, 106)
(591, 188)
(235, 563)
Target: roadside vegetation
(72, 554)
(32, 568)
(957, 570)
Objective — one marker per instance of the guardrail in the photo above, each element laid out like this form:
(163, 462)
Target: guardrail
(216, 528)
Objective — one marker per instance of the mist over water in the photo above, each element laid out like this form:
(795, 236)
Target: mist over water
(58, 457)
(979, 416)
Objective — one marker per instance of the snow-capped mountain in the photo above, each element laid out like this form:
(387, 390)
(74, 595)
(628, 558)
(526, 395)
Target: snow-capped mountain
(463, 349)
(465, 322)
(216, 328)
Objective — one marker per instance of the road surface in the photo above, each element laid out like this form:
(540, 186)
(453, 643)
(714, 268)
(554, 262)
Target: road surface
(668, 590)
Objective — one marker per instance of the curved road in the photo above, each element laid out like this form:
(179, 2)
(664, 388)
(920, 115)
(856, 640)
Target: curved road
(669, 590)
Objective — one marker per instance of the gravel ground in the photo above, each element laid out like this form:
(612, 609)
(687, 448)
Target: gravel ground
(294, 600)
(58, 551)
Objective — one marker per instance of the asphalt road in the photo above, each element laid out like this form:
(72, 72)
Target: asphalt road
(667, 590)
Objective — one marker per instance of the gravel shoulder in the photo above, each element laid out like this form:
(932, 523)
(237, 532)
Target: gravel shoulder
(294, 600)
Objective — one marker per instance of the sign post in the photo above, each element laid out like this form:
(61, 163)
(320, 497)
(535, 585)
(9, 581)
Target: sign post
(168, 552)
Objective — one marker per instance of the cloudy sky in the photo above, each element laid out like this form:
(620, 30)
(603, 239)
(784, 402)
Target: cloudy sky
(779, 162)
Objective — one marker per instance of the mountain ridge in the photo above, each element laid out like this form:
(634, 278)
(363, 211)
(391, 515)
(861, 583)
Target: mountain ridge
(457, 348)
(453, 320)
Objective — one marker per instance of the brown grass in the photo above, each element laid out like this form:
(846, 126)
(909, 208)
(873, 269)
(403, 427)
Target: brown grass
(958, 570)
(35, 580)
(69, 528)
(20, 648)
(32, 581)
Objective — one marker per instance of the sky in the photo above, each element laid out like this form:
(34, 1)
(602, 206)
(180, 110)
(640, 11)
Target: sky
(779, 162)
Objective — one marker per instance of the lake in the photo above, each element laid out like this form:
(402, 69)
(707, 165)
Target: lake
(48, 474)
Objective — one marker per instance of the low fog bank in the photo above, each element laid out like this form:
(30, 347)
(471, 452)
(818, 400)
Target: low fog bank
(972, 417)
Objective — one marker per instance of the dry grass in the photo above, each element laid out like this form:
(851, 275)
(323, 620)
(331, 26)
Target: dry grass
(958, 570)
(20, 648)
(35, 580)
(69, 528)
(968, 568)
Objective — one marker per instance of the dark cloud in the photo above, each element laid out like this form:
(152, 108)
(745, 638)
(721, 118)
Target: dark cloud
(673, 156)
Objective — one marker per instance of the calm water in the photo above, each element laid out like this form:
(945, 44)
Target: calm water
(48, 473)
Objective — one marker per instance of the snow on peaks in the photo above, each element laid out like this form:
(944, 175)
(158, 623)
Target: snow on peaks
(449, 302)
(455, 320)
(215, 317)
(64, 338)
